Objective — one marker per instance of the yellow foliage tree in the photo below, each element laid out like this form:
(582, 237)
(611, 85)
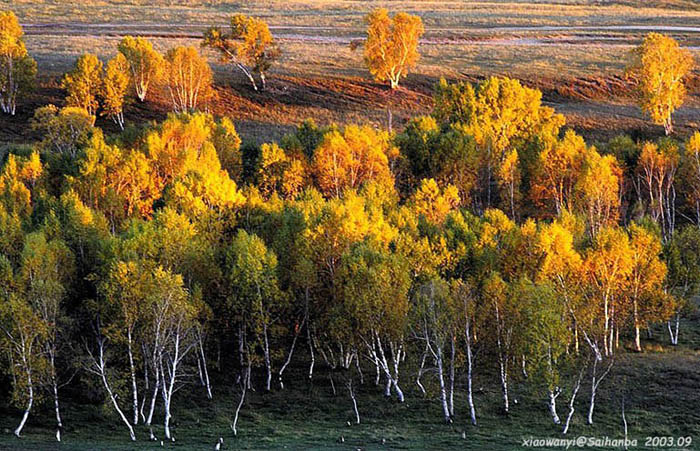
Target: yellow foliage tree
(433, 203)
(509, 180)
(65, 130)
(391, 48)
(17, 69)
(189, 79)
(560, 166)
(114, 88)
(645, 286)
(657, 168)
(278, 172)
(598, 190)
(353, 157)
(501, 114)
(249, 45)
(145, 63)
(83, 84)
(691, 173)
(659, 66)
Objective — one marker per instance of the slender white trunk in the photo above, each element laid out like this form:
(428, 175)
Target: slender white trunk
(205, 371)
(503, 373)
(30, 403)
(354, 402)
(291, 351)
(244, 387)
(452, 378)
(470, 397)
(134, 389)
(443, 390)
(101, 370)
(553, 395)
(421, 370)
(674, 334)
(572, 400)
(156, 388)
(54, 387)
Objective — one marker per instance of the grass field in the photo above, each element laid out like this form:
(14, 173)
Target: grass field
(661, 388)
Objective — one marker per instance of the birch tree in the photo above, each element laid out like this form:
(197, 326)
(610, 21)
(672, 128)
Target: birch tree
(115, 84)
(46, 268)
(391, 46)
(248, 45)
(188, 79)
(374, 289)
(24, 332)
(146, 65)
(83, 84)
(255, 294)
(659, 66)
(433, 318)
(17, 68)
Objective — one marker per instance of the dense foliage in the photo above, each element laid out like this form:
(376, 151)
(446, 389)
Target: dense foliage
(484, 237)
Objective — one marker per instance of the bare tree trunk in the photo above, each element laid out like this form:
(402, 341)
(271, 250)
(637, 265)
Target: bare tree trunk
(101, 370)
(291, 351)
(452, 378)
(553, 395)
(572, 400)
(204, 369)
(470, 396)
(674, 335)
(595, 382)
(503, 373)
(354, 402)
(30, 403)
(421, 370)
(244, 386)
(443, 390)
(132, 368)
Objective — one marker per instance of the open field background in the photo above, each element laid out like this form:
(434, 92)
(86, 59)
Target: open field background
(574, 51)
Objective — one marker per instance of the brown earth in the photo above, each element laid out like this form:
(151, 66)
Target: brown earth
(597, 107)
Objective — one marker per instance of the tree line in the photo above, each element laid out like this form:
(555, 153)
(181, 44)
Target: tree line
(484, 238)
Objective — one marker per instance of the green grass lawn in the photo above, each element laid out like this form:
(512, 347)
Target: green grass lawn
(661, 388)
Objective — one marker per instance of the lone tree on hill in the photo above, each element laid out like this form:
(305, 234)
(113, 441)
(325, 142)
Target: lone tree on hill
(659, 66)
(391, 48)
(249, 46)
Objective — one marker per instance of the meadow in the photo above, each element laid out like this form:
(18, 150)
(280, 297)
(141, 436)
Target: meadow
(574, 51)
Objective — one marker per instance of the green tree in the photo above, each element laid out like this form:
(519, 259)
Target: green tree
(255, 295)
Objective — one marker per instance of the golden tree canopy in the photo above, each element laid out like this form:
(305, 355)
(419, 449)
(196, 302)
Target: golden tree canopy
(83, 83)
(659, 65)
(391, 48)
(351, 158)
(145, 63)
(189, 79)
